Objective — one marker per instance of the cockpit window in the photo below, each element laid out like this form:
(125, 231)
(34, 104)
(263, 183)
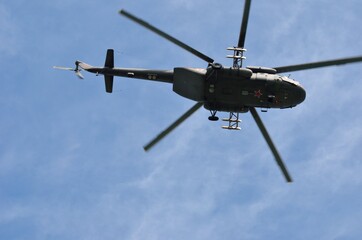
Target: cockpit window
(291, 81)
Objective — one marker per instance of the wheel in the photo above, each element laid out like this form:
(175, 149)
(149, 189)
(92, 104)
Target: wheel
(213, 118)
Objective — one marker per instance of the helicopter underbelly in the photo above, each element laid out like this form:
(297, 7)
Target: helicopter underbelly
(238, 95)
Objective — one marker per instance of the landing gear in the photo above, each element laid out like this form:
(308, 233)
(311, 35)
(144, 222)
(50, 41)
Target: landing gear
(213, 116)
(233, 121)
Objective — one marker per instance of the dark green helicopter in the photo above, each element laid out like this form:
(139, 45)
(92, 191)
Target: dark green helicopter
(228, 89)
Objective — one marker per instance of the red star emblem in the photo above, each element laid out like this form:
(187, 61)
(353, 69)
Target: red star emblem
(258, 93)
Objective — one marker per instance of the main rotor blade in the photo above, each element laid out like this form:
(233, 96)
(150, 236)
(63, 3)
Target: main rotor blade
(172, 126)
(271, 144)
(311, 65)
(244, 24)
(166, 36)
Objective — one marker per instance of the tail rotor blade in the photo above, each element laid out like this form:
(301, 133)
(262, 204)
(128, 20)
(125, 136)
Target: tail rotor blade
(272, 147)
(79, 75)
(76, 70)
(166, 36)
(64, 68)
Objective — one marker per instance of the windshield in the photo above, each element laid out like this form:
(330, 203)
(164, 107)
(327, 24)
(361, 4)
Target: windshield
(289, 80)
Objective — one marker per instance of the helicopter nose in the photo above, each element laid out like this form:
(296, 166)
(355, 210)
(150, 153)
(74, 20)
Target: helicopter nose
(300, 97)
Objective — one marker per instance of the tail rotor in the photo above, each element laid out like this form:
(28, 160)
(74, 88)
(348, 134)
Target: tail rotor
(77, 70)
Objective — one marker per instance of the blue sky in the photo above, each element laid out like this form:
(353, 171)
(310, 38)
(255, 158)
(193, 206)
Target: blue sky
(71, 159)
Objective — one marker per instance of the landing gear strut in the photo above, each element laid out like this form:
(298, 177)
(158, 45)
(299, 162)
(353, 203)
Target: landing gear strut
(213, 116)
(233, 121)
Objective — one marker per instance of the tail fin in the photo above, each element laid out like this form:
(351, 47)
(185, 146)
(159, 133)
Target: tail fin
(109, 63)
(109, 59)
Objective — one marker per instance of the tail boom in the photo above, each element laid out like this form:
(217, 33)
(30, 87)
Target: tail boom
(109, 71)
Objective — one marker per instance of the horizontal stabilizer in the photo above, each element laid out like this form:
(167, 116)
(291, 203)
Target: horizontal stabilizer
(109, 63)
(108, 79)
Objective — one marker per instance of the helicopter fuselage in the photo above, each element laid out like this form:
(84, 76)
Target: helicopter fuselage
(235, 90)
(219, 88)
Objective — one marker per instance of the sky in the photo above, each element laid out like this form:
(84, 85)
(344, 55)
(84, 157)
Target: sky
(72, 164)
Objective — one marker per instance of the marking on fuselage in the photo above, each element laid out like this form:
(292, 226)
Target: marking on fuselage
(152, 76)
(212, 88)
(258, 93)
(244, 93)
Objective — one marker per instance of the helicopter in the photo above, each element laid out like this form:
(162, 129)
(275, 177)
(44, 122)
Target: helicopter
(217, 88)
